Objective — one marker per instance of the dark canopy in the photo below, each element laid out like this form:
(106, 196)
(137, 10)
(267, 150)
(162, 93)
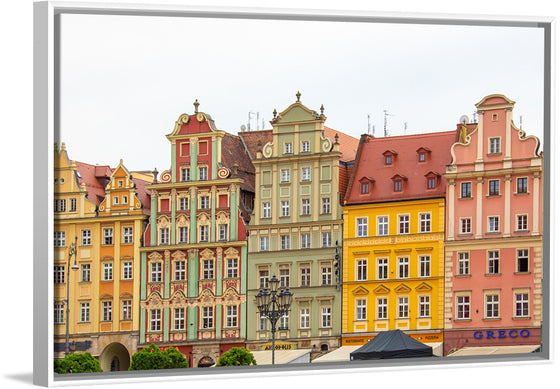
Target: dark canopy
(392, 344)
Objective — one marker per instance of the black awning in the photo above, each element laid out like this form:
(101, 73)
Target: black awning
(392, 344)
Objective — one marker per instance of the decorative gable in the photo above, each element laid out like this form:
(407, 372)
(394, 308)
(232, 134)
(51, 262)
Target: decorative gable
(381, 289)
(360, 291)
(402, 288)
(423, 287)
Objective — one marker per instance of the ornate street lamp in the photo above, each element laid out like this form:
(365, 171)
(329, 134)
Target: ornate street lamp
(72, 250)
(273, 304)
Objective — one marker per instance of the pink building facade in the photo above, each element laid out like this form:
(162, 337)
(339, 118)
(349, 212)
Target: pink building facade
(493, 248)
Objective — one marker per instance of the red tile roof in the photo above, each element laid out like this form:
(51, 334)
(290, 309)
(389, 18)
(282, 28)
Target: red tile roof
(348, 144)
(370, 163)
(255, 140)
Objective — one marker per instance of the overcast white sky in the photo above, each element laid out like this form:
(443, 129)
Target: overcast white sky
(126, 80)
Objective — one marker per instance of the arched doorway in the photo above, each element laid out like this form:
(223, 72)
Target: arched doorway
(206, 362)
(115, 357)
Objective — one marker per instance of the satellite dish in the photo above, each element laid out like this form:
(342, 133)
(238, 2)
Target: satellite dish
(464, 119)
(243, 128)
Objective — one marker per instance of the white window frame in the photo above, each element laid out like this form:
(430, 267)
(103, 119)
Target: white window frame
(179, 319)
(86, 237)
(424, 306)
(266, 211)
(305, 146)
(325, 205)
(164, 236)
(425, 222)
(403, 308)
(85, 272)
(382, 268)
(231, 316)
(305, 241)
(521, 303)
(463, 264)
(232, 268)
(208, 269)
(493, 263)
(108, 236)
(84, 312)
(127, 270)
(425, 265)
(126, 309)
(361, 309)
(404, 267)
(493, 223)
(383, 225)
(304, 318)
(285, 207)
(183, 234)
(403, 224)
(326, 239)
(466, 225)
(305, 275)
(203, 173)
(285, 175)
(60, 239)
(491, 305)
(204, 233)
(494, 145)
(382, 308)
(107, 311)
(463, 305)
(306, 173)
(326, 315)
(108, 271)
(155, 320)
(361, 269)
(305, 207)
(179, 271)
(264, 243)
(523, 221)
(155, 272)
(361, 227)
(183, 203)
(284, 242)
(207, 318)
(128, 235)
(326, 275)
(288, 149)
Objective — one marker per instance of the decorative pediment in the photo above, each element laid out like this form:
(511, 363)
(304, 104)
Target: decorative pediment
(297, 112)
(222, 217)
(390, 153)
(154, 300)
(106, 296)
(207, 298)
(360, 291)
(381, 289)
(163, 222)
(432, 174)
(423, 287)
(178, 255)
(183, 220)
(155, 256)
(231, 297)
(397, 177)
(126, 295)
(402, 288)
(207, 254)
(179, 298)
(231, 252)
(365, 180)
(203, 218)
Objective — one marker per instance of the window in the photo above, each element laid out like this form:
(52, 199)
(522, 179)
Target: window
(382, 308)
(404, 224)
(164, 236)
(126, 309)
(155, 320)
(204, 233)
(421, 157)
(305, 276)
(305, 241)
(107, 310)
(185, 174)
(203, 173)
(431, 182)
(107, 271)
(424, 306)
(493, 224)
(283, 322)
(73, 205)
(382, 225)
(183, 234)
(223, 231)
(403, 267)
(207, 317)
(523, 261)
(425, 222)
(284, 242)
(361, 312)
(326, 275)
(494, 188)
(305, 146)
(522, 305)
(207, 269)
(86, 272)
(155, 274)
(397, 185)
(59, 314)
(382, 268)
(288, 148)
(326, 239)
(263, 323)
(125, 199)
(59, 274)
(403, 308)
(127, 235)
(265, 243)
(180, 272)
(120, 183)
(107, 236)
(204, 202)
(59, 205)
(59, 239)
(179, 319)
(522, 223)
(424, 265)
(465, 225)
(362, 227)
(84, 312)
(263, 278)
(266, 210)
(492, 306)
(127, 271)
(388, 159)
(306, 174)
(361, 269)
(285, 208)
(183, 203)
(232, 268)
(304, 318)
(466, 192)
(326, 205)
(494, 146)
(325, 317)
(305, 207)
(493, 262)
(86, 237)
(285, 277)
(116, 200)
(522, 185)
(463, 264)
(285, 175)
(231, 316)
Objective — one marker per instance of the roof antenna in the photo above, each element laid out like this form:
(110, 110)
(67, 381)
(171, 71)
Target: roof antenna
(520, 122)
(368, 125)
(405, 124)
(385, 115)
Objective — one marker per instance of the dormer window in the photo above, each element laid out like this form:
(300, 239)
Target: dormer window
(389, 157)
(398, 182)
(423, 153)
(365, 188)
(366, 183)
(432, 180)
(397, 185)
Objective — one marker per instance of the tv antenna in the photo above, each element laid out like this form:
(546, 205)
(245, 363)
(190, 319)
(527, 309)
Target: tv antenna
(405, 125)
(385, 115)
(464, 119)
(520, 122)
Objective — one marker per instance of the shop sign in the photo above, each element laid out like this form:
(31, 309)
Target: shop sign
(501, 334)
(278, 346)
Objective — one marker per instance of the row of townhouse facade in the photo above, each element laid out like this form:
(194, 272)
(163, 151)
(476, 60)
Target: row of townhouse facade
(368, 234)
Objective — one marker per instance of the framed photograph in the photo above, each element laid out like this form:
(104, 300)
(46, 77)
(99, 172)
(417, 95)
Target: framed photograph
(235, 192)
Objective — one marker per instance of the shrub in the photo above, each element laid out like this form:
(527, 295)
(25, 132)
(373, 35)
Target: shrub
(77, 363)
(237, 356)
(152, 358)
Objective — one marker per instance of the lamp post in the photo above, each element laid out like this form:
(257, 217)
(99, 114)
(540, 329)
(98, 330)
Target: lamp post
(72, 250)
(273, 304)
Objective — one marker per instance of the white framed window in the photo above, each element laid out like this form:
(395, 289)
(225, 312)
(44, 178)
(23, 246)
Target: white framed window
(86, 237)
(115, 200)
(326, 275)
(266, 210)
(522, 223)
(204, 202)
(306, 174)
(493, 187)
(231, 316)
(108, 271)
(59, 205)
(492, 306)
(204, 233)
(85, 271)
(404, 224)
(263, 323)
(305, 207)
(424, 262)
(185, 174)
(203, 173)
(285, 276)
(494, 145)
(284, 242)
(264, 243)
(84, 312)
(463, 264)
(361, 309)
(361, 270)
(325, 317)
(180, 271)
(304, 318)
(126, 310)
(283, 322)
(155, 273)
(73, 204)
(108, 236)
(305, 241)
(382, 268)
(155, 320)
(183, 203)
(164, 236)
(493, 224)
(288, 148)
(232, 268)
(522, 185)
(424, 306)
(403, 308)
(127, 235)
(382, 308)
(403, 267)
(466, 226)
(223, 232)
(305, 275)
(285, 175)
(59, 239)
(285, 207)
(107, 310)
(521, 304)
(425, 222)
(362, 227)
(382, 225)
(522, 260)
(326, 205)
(179, 319)
(208, 269)
(493, 262)
(466, 190)
(59, 313)
(263, 278)
(127, 270)
(125, 199)
(305, 146)
(59, 272)
(326, 238)
(183, 234)
(463, 307)
(207, 317)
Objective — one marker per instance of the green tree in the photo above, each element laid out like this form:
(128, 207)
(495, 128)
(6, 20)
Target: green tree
(152, 358)
(237, 356)
(77, 363)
